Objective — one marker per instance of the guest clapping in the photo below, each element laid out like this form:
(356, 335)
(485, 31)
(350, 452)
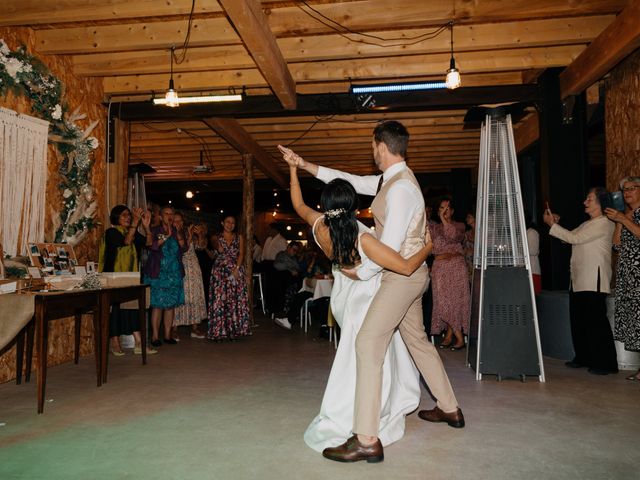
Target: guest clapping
(194, 309)
(627, 241)
(164, 273)
(119, 252)
(590, 284)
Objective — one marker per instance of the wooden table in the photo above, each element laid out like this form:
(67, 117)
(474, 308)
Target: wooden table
(50, 306)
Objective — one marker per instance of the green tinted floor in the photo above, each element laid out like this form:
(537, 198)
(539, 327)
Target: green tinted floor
(238, 411)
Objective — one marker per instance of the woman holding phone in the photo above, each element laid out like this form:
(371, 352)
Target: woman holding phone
(590, 284)
(627, 241)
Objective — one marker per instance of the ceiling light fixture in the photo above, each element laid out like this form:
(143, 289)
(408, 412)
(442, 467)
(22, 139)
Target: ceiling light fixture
(453, 74)
(171, 97)
(197, 99)
(397, 87)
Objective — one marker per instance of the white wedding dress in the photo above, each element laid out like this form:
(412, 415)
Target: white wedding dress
(350, 300)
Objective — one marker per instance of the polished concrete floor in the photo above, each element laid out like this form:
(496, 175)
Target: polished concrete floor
(238, 411)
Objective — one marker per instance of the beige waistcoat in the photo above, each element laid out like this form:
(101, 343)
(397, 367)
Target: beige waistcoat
(415, 238)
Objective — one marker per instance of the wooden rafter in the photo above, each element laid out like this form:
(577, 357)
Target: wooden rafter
(251, 24)
(617, 41)
(238, 138)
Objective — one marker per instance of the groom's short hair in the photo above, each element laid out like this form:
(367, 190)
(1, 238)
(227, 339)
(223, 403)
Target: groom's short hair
(394, 135)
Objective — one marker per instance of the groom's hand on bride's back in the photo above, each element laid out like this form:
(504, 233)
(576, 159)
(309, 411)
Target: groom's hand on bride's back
(350, 273)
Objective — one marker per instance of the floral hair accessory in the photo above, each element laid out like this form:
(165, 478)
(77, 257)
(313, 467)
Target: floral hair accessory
(335, 213)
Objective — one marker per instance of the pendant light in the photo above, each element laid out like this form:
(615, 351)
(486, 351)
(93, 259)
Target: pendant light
(453, 74)
(171, 97)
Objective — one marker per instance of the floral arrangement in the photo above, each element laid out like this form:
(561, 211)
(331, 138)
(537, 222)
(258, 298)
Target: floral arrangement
(24, 74)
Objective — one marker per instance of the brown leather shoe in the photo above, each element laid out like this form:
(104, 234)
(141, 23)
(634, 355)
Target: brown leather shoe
(453, 419)
(353, 451)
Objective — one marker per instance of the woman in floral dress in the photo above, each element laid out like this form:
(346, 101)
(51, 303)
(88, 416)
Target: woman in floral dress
(228, 300)
(449, 279)
(194, 309)
(626, 238)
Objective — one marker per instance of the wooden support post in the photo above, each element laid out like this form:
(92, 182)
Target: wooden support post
(247, 223)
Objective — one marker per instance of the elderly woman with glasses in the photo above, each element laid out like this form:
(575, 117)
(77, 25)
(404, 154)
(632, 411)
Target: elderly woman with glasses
(590, 284)
(626, 240)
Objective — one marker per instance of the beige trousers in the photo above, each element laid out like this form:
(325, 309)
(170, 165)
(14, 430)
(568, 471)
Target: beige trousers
(398, 303)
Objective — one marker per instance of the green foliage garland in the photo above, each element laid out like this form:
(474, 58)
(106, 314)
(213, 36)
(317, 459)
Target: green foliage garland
(24, 74)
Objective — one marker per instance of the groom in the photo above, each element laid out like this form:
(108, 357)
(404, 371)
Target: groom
(399, 214)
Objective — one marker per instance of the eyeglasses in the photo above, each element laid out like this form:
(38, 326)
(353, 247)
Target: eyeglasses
(630, 189)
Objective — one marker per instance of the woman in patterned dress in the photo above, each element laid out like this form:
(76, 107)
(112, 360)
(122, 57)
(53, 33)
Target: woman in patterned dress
(164, 273)
(626, 238)
(228, 300)
(449, 279)
(194, 309)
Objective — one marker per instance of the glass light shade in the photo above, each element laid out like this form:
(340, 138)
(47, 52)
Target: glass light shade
(453, 79)
(171, 98)
(453, 75)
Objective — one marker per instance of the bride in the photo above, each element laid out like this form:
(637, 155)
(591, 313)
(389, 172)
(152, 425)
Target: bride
(347, 242)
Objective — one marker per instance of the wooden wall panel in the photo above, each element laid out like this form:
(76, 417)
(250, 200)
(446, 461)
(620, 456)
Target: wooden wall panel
(85, 94)
(622, 120)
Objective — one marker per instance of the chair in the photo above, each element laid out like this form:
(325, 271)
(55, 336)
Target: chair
(305, 314)
(259, 277)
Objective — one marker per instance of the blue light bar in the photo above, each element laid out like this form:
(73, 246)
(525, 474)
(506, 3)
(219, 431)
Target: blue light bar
(398, 87)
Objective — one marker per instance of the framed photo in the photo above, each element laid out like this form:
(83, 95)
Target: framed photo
(34, 272)
(91, 267)
(52, 258)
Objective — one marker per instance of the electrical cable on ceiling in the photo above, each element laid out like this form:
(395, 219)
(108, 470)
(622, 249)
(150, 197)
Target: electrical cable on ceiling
(319, 119)
(187, 37)
(198, 138)
(406, 41)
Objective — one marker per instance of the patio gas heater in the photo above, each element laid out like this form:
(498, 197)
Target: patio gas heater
(504, 338)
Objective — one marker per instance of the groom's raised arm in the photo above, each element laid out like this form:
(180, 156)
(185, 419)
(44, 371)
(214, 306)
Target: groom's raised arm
(364, 185)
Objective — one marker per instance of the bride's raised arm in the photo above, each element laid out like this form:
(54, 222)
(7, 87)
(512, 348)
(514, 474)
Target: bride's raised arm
(388, 258)
(305, 212)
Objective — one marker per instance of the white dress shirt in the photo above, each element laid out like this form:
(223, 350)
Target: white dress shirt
(403, 199)
(272, 246)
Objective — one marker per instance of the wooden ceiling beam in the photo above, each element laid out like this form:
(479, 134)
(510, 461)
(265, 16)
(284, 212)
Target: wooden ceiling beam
(47, 12)
(536, 33)
(238, 138)
(361, 16)
(392, 69)
(526, 132)
(617, 41)
(251, 24)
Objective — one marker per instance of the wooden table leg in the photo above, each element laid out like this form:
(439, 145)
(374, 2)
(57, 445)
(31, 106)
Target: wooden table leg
(97, 344)
(19, 355)
(142, 318)
(77, 328)
(103, 308)
(31, 327)
(41, 367)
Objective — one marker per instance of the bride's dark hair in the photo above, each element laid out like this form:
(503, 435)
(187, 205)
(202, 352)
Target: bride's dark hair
(340, 202)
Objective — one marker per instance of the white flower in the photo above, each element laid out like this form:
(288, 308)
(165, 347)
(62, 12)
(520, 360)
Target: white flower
(67, 193)
(57, 112)
(13, 67)
(93, 142)
(4, 48)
